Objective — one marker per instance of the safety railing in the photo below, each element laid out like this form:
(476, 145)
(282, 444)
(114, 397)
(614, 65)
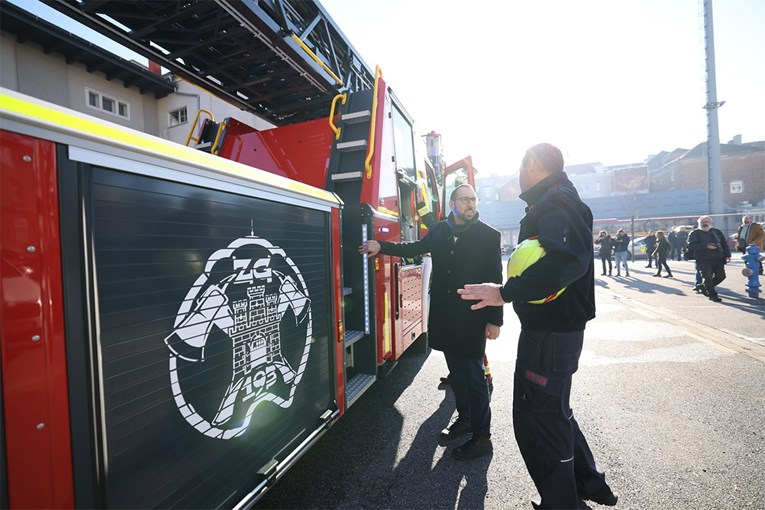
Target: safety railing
(317, 59)
(371, 151)
(194, 126)
(332, 125)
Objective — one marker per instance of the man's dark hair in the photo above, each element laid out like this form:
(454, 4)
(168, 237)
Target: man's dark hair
(547, 156)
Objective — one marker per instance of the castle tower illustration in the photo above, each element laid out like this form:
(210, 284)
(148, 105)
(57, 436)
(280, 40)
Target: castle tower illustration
(255, 331)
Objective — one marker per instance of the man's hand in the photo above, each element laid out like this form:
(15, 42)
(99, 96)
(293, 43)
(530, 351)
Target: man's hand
(371, 248)
(492, 331)
(487, 294)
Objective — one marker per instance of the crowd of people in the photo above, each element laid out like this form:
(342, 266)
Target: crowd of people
(705, 245)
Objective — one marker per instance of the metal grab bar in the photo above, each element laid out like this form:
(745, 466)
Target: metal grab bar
(368, 161)
(194, 125)
(215, 148)
(332, 114)
(318, 61)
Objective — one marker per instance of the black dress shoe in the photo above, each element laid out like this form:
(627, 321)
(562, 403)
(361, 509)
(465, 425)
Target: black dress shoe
(457, 429)
(716, 299)
(476, 447)
(603, 497)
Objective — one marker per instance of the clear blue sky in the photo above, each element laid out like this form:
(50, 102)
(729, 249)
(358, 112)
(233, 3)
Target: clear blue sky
(606, 80)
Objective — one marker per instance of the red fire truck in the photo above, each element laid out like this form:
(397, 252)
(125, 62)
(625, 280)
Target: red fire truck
(180, 324)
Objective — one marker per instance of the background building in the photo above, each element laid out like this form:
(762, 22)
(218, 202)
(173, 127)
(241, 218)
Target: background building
(42, 60)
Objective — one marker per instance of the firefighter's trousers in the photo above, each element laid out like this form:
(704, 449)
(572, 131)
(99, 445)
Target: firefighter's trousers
(554, 449)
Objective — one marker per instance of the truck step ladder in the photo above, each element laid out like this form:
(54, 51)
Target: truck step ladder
(357, 385)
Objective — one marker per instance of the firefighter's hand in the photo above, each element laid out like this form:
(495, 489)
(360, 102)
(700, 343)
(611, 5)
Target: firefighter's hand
(371, 248)
(492, 331)
(487, 294)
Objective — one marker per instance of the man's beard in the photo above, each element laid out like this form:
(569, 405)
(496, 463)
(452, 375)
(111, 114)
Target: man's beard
(706, 228)
(464, 216)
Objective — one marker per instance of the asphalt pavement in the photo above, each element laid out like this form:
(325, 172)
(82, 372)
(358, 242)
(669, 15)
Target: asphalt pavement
(669, 394)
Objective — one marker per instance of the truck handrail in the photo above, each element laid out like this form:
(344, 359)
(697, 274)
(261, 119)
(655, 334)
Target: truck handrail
(370, 153)
(215, 148)
(317, 59)
(194, 125)
(332, 126)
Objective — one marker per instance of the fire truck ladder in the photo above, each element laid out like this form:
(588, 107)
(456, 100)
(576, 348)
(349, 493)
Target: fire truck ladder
(283, 60)
(346, 177)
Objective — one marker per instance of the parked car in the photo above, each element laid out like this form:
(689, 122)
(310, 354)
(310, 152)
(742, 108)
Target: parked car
(637, 249)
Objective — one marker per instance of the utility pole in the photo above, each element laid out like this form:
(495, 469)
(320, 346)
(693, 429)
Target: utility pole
(714, 171)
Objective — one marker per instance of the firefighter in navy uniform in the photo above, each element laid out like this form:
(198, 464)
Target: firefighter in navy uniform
(552, 445)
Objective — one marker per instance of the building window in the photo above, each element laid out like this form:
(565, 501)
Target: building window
(179, 116)
(737, 186)
(107, 104)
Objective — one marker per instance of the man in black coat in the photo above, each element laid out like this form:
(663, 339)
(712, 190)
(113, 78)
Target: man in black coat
(674, 253)
(464, 250)
(606, 245)
(711, 251)
(650, 247)
(552, 445)
(621, 244)
(682, 242)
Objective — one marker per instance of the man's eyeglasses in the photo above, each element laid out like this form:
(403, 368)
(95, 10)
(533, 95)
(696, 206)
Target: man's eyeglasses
(467, 200)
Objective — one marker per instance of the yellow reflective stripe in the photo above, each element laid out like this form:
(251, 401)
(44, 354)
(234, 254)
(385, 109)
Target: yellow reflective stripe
(61, 120)
(387, 211)
(387, 342)
(425, 207)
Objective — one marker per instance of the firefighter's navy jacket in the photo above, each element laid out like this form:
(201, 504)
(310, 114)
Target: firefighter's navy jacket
(563, 224)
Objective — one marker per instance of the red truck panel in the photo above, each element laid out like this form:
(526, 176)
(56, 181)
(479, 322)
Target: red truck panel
(298, 151)
(32, 328)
